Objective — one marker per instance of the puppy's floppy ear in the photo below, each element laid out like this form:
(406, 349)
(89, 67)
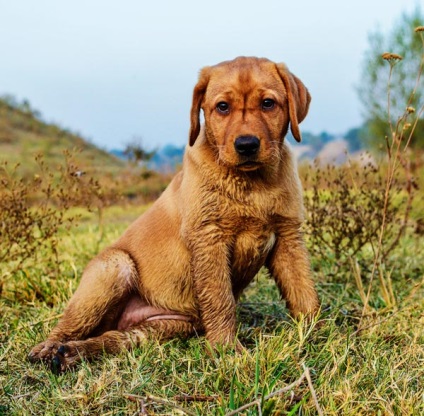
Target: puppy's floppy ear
(198, 94)
(298, 98)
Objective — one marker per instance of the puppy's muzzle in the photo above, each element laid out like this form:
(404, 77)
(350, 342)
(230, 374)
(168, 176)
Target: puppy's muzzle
(247, 146)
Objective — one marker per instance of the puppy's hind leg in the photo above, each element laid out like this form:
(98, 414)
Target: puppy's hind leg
(70, 353)
(105, 283)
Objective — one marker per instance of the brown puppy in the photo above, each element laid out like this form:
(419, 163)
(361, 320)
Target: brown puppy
(235, 207)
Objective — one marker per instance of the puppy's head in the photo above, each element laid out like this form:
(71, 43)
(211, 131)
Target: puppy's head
(248, 104)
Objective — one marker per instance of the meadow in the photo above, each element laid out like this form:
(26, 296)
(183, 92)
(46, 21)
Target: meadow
(364, 354)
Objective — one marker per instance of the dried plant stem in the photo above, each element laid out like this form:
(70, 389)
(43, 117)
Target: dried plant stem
(358, 280)
(194, 398)
(395, 159)
(408, 207)
(312, 390)
(388, 99)
(417, 118)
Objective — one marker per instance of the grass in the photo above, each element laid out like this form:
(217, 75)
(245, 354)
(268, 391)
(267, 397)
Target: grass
(369, 366)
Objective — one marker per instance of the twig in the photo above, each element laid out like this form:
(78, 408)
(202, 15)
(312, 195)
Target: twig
(312, 390)
(194, 398)
(20, 396)
(136, 397)
(143, 410)
(259, 410)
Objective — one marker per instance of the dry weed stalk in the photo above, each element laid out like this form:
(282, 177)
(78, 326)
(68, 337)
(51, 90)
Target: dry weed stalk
(357, 213)
(397, 146)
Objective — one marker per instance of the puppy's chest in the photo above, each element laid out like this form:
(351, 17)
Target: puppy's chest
(252, 234)
(245, 219)
(250, 246)
(248, 255)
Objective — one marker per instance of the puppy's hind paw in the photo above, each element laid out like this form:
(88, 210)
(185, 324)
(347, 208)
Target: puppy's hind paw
(58, 362)
(43, 351)
(58, 356)
(67, 357)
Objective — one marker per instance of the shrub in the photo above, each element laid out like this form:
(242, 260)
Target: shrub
(346, 208)
(34, 209)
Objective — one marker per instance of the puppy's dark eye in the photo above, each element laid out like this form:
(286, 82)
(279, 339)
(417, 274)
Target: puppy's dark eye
(268, 104)
(223, 107)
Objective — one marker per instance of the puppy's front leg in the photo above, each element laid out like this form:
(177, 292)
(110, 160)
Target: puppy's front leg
(213, 290)
(289, 265)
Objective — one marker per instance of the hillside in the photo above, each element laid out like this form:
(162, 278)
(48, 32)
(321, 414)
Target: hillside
(23, 134)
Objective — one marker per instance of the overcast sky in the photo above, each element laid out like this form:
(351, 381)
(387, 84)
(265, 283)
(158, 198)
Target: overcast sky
(112, 70)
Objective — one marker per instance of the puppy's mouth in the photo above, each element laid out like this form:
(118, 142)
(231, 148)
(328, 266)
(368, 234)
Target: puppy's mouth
(249, 165)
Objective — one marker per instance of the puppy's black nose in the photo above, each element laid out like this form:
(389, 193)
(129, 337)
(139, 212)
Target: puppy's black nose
(247, 145)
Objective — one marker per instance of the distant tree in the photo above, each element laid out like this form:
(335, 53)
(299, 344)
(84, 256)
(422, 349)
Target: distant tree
(9, 100)
(136, 153)
(172, 151)
(317, 142)
(406, 76)
(326, 137)
(24, 106)
(353, 137)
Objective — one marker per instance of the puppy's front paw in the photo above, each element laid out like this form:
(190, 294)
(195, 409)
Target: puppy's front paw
(307, 305)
